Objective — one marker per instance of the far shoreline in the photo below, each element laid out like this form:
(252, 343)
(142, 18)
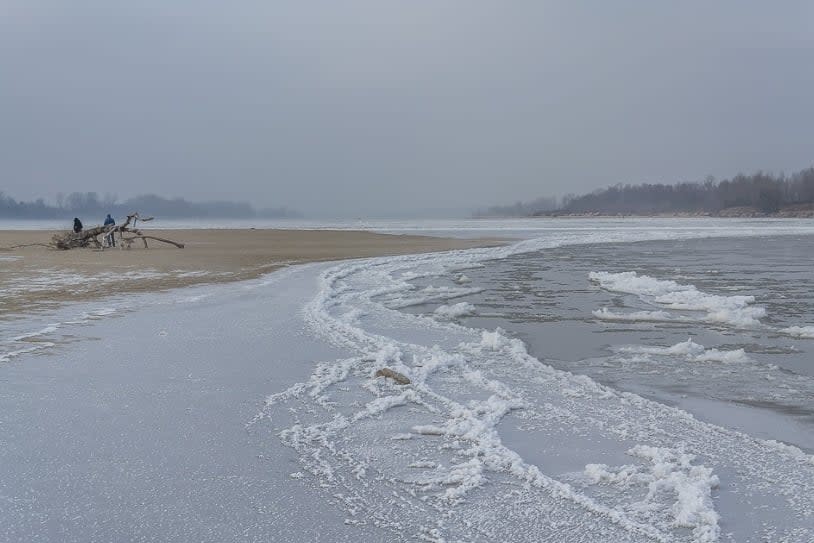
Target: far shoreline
(807, 215)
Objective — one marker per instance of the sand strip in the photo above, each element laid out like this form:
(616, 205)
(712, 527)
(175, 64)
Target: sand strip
(35, 278)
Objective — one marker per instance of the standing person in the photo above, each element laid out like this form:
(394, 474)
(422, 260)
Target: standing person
(110, 237)
(77, 225)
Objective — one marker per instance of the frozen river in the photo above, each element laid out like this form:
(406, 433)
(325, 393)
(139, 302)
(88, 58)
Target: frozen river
(632, 380)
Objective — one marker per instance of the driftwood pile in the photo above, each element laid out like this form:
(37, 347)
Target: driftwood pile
(127, 234)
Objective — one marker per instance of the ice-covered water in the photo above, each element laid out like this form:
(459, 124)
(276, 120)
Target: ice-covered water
(623, 313)
(604, 381)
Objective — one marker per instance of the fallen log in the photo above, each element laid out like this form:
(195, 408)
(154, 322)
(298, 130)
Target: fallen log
(72, 240)
(145, 238)
(90, 237)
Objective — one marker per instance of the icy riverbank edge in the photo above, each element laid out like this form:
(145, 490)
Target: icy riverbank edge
(466, 384)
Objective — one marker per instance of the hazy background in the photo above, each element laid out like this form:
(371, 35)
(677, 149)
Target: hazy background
(377, 108)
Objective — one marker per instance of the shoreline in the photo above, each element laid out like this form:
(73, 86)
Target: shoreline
(37, 278)
(655, 216)
(727, 213)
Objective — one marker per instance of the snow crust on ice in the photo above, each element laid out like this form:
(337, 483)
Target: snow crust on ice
(731, 310)
(41, 339)
(461, 309)
(53, 279)
(690, 351)
(675, 488)
(9, 354)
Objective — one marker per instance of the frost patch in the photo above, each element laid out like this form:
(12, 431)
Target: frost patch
(792, 451)
(677, 494)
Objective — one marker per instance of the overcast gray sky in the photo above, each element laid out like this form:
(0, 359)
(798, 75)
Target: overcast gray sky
(362, 108)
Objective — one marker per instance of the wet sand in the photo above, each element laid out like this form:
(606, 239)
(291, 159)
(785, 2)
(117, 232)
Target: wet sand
(36, 277)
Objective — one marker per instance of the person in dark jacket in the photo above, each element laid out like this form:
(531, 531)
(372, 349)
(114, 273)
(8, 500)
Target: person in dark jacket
(77, 225)
(110, 238)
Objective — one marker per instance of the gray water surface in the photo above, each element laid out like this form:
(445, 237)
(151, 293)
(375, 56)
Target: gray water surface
(546, 299)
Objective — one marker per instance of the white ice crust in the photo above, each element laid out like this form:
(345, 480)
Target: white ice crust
(675, 492)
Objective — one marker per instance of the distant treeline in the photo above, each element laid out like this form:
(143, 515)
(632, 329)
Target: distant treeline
(759, 193)
(89, 206)
(520, 209)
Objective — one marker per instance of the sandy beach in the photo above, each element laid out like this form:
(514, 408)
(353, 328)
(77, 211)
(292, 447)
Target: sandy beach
(36, 277)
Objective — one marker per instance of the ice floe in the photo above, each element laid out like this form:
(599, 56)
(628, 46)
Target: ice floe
(667, 294)
(690, 351)
(652, 316)
(806, 332)
(461, 309)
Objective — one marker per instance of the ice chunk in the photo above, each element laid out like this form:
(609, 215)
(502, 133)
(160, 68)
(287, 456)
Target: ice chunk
(733, 310)
(690, 351)
(453, 311)
(806, 332)
(652, 316)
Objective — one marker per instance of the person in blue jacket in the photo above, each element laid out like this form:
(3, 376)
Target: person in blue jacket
(111, 238)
